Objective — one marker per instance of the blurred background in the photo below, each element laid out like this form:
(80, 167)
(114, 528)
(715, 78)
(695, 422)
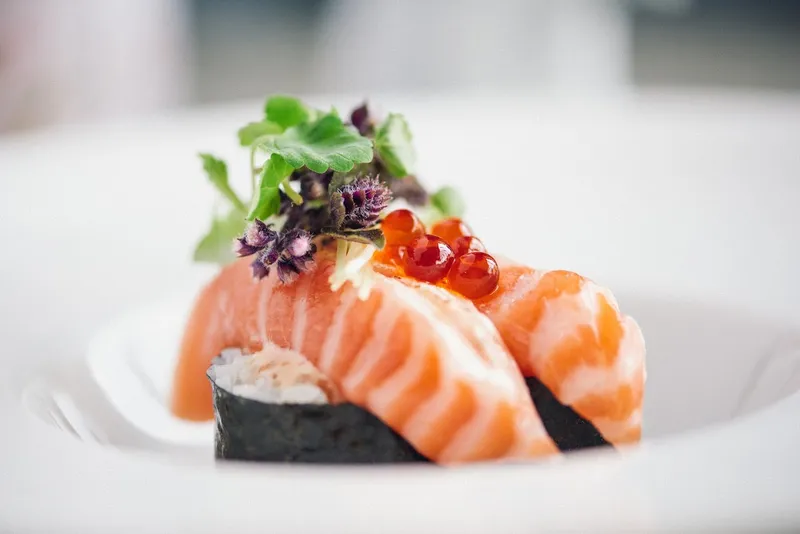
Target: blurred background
(90, 60)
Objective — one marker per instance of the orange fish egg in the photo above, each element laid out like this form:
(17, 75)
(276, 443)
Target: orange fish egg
(474, 275)
(451, 229)
(400, 227)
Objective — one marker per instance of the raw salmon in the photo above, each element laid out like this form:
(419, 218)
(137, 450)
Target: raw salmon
(569, 333)
(421, 359)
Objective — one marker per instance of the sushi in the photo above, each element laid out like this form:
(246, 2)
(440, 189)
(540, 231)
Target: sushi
(569, 333)
(357, 319)
(421, 359)
(274, 406)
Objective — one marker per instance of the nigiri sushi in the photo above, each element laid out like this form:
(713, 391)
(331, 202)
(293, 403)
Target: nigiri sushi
(423, 361)
(569, 333)
(358, 298)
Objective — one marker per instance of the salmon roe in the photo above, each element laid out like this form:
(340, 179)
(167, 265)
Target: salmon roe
(449, 255)
(400, 227)
(474, 275)
(451, 229)
(427, 258)
(466, 244)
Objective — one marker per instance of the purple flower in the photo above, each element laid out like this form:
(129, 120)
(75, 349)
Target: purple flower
(287, 271)
(259, 269)
(259, 234)
(291, 252)
(242, 249)
(361, 120)
(358, 204)
(256, 237)
(298, 243)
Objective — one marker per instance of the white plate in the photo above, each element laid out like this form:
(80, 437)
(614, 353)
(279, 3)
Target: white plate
(684, 206)
(706, 434)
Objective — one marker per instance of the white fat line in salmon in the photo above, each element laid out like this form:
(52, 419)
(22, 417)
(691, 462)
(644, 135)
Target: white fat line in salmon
(472, 433)
(383, 324)
(597, 380)
(300, 305)
(612, 430)
(265, 292)
(524, 285)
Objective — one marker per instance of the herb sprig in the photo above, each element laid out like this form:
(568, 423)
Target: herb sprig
(313, 174)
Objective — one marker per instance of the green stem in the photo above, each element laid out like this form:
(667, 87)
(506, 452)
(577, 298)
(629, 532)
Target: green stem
(253, 171)
(291, 193)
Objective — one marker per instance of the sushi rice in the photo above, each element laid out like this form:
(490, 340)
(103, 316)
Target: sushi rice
(272, 375)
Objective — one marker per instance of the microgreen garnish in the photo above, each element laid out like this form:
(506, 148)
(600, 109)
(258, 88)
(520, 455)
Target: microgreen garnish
(217, 172)
(215, 247)
(254, 130)
(286, 111)
(313, 175)
(393, 144)
(318, 145)
(448, 202)
(321, 145)
(267, 198)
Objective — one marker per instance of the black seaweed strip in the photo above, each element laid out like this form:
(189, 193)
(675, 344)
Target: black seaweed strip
(569, 430)
(251, 430)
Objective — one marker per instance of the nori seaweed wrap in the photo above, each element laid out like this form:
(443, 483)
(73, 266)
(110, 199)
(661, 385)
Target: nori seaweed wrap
(280, 416)
(248, 429)
(305, 432)
(568, 430)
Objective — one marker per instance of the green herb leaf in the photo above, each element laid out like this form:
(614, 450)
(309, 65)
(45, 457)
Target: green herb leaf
(372, 236)
(217, 172)
(267, 201)
(250, 132)
(321, 145)
(393, 143)
(275, 170)
(217, 245)
(286, 111)
(448, 202)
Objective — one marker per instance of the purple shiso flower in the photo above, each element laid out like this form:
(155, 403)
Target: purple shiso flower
(361, 120)
(256, 236)
(358, 204)
(291, 252)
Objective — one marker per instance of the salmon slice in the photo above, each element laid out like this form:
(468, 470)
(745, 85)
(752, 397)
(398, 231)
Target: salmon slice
(422, 360)
(569, 333)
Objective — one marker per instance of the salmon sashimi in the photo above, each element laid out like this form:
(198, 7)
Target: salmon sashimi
(569, 333)
(421, 359)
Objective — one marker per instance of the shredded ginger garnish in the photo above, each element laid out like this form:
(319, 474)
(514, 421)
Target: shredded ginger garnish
(353, 265)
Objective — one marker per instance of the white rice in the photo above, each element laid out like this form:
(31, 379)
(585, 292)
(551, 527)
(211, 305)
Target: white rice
(273, 375)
